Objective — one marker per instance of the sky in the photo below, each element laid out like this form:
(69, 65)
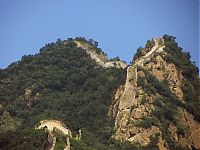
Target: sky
(120, 26)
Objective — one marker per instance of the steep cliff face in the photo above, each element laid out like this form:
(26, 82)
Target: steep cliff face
(151, 106)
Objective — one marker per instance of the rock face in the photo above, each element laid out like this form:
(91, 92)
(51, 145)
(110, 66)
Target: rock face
(162, 70)
(58, 127)
(194, 139)
(31, 95)
(136, 111)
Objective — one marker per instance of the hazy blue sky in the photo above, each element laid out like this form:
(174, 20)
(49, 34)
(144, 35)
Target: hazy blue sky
(120, 26)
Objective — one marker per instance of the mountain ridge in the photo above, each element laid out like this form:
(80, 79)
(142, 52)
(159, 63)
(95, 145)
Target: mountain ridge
(151, 103)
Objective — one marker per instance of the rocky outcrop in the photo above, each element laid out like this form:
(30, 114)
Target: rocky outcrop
(193, 130)
(100, 59)
(133, 108)
(194, 139)
(161, 144)
(167, 71)
(58, 127)
(31, 95)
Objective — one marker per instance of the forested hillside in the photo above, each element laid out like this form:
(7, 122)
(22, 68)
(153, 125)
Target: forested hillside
(60, 82)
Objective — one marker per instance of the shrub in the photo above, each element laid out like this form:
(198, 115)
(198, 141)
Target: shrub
(141, 81)
(149, 44)
(147, 122)
(115, 59)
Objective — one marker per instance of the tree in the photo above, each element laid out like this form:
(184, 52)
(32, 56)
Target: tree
(115, 59)
(96, 43)
(8, 123)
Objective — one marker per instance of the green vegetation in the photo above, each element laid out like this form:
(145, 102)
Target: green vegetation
(190, 72)
(155, 86)
(160, 43)
(166, 106)
(61, 82)
(149, 44)
(147, 122)
(138, 54)
(115, 59)
(21, 139)
(8, 123)
(93, 45)
(60, 141)
(65, 85)
(142, 51)
(182, 130)
(141, 81)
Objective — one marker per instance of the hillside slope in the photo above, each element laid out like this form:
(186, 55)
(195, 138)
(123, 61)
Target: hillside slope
(62, 83)
(153, 103)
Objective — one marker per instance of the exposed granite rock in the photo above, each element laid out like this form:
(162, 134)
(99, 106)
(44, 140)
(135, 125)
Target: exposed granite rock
(194, 139)
(143, 138)
(161, 144)
(167, 71)
(132, 107)
(31, 95)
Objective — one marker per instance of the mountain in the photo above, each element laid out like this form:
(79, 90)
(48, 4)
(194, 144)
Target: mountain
(84, 100)
(158, 104)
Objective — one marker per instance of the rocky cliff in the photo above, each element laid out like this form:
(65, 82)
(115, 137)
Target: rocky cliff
(150, 106)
